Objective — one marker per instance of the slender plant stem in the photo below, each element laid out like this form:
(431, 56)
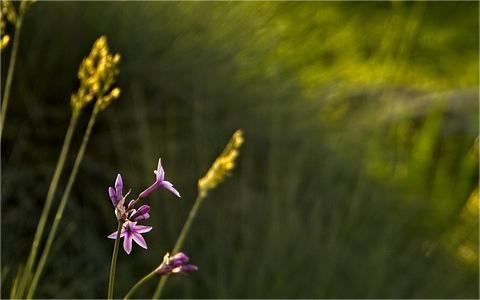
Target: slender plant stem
(113, 265)
(139, 284)
(179, 243)
(11, 65)
(61, 206)
(49, 199)
(14, 290)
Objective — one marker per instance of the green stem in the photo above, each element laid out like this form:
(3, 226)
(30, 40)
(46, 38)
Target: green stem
(49, 199)
(113, 265)
(139, 284)
(179, 243)
(14, 290)
(63, 202)
(11, 65)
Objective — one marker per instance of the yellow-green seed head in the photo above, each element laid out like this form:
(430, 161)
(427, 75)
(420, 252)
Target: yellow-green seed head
(97, 74)
(222, 166)
(7, 13)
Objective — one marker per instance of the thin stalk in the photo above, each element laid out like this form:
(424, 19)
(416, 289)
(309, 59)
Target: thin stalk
(49, 199)
(113, 265)
(139, 284)
(179, 243)
(11, 65)
(14, 291)
(63, 202)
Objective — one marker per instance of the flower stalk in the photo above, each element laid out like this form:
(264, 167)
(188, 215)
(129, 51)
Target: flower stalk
(128, 216)
(7, 13)
(63, 203)
(113, 265)
(99, 64)
(13, 59)
(220, 169)
(97, 74)
(49, 200)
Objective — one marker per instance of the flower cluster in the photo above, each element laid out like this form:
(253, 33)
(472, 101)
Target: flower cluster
(97, 74)
(129, 216)
(222, 166)
(7, 11)
(175, 264)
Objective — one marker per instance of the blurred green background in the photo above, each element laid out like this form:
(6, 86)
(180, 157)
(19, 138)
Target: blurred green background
(359, 173)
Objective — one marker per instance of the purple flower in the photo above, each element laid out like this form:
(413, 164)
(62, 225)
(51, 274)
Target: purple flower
(116, 193)
(132, 231)
(159, 183)
(175, 264)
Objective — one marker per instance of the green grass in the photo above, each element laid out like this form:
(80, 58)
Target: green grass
(360, 123)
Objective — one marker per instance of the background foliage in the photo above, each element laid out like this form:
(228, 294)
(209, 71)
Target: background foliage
(358, 178)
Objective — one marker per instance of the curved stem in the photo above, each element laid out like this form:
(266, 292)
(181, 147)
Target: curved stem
(50, 194)
(11, 65)
(179, 243)
(63, 202)
(139, 284)
(113, 264)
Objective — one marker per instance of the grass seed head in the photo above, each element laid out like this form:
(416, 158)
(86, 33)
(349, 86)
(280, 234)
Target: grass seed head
(97, 74)
(222, 166)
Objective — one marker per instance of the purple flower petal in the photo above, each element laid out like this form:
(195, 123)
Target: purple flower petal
(159, 172)
(127, 242)
(169, 186)
(142, 229)
(113, 235)
(138, 238)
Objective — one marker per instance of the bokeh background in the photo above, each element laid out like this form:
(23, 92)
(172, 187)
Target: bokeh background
(358, 176)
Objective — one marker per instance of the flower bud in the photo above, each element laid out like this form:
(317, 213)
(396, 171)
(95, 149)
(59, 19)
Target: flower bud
(175, 264)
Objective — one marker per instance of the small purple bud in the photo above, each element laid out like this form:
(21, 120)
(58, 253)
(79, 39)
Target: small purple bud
(178, 260)
(185, 269)
(141, 214)
(175, 264)
(119, 187)
(116, 193)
